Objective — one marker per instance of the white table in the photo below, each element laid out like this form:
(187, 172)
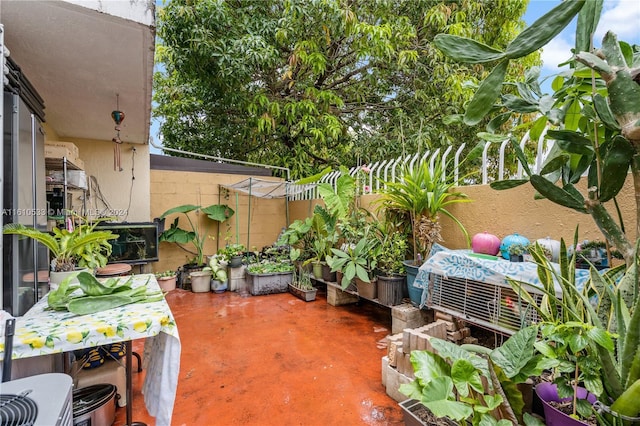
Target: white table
(44, 332)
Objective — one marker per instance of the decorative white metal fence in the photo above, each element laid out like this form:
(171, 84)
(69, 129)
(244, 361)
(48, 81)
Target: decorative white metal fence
(391, 170)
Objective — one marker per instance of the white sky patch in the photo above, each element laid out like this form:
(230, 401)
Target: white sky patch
(621, 17)
(556, 52)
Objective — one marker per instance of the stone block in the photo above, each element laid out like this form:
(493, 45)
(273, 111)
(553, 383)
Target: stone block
(408, 367)
(236, 273)
(385, 366)
(336, 297)
(413, 340)
(454, 336)
(405, 312)
(237, 284)
(406, 338)
(393, 381)
(444, 317)
(391, 352)
(422, 341)
(436, 329)
(399, 360)
(408, 316)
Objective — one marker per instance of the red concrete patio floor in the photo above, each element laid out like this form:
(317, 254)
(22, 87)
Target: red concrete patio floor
(275, 360)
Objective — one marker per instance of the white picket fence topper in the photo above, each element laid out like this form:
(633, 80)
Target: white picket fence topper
(390, 170)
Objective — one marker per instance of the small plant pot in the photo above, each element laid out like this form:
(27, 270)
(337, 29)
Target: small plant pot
(317, 270)
(327, 275)
(167, 283)
(368, 290)
(55, 278)
(417, 414)
(200, 281)
(390, 289)
(306, 295)
(218, 286)
(235, 262)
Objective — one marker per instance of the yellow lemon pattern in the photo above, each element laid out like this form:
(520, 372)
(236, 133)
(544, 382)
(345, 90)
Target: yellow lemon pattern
(44, 331)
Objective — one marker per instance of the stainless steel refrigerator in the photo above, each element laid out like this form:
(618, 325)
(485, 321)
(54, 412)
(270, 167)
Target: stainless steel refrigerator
(25, 262)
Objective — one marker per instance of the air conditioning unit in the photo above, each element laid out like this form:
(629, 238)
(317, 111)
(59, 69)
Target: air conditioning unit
(40, 400)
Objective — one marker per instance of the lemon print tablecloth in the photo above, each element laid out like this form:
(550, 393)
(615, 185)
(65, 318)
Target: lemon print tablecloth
(43, 332)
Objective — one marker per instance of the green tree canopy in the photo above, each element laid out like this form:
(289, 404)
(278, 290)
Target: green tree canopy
(306, 84)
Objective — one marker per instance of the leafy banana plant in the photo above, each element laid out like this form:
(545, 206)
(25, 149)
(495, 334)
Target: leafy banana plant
(195, 235)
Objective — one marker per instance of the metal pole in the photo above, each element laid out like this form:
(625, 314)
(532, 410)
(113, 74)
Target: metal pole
(238, 221)
(219, 223)
(2, 78)
(249, 214)
(286, 198)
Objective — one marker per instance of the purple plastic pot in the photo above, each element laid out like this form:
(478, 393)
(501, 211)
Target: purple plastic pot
(548, 392)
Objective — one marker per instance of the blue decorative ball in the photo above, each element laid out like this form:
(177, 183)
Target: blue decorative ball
(511, 239)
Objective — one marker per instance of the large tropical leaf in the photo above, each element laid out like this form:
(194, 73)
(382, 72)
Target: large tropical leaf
(218, 212)
(180, 209)
(42, 237)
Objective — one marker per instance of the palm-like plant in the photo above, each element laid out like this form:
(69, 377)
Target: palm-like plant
(82, 246)
(424, 193)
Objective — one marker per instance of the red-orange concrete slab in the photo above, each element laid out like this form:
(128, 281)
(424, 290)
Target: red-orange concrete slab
(275, 360)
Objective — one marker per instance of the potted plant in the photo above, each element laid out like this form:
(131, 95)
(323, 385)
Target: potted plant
(166, 280)
(422, 195)
(595, 344)
(233, 254)
(299, 238)
(353, 262)
(517, 251)
(219, 278)
(417, 199)
(301, 286)
(195, 234)
(268, 276)
(604, 146)
(319, 248)
(80, 246)
(474, 384)
(391, 275)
